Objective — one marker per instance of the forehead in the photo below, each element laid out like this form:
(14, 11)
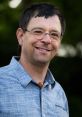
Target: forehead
(51, 23)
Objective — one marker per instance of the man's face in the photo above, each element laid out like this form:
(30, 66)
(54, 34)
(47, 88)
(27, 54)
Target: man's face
(40, 48)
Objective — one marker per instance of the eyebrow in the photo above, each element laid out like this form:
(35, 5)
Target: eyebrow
(38, 28)
(54, 30)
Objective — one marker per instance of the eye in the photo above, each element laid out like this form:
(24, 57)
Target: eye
(37, 32)
(55, 35)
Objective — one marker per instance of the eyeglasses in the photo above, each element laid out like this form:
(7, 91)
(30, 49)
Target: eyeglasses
(39, 33)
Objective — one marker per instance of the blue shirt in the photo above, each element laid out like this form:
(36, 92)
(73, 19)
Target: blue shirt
(20, 96)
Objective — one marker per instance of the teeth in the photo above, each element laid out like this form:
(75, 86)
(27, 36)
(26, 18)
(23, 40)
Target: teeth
(43, 49)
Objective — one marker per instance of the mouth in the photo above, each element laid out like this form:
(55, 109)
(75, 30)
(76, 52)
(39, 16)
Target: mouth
(43, 49)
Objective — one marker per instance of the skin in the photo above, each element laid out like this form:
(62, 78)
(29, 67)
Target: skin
(36, 54)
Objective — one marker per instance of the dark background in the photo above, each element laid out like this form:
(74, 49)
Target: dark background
(67, 70)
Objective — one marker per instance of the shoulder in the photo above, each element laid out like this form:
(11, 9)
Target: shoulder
(4, 70)
(9, 69)
(59, 90)
(7, 75)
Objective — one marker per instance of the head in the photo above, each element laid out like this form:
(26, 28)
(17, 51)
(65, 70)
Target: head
(48, 19)
(41, 10)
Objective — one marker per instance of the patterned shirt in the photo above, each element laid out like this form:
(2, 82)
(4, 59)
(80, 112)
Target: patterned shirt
(20, 96)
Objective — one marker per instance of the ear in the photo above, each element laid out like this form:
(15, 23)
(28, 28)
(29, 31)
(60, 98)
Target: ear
(20, 36)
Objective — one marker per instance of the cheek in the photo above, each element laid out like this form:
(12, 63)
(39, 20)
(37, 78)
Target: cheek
(56, 45)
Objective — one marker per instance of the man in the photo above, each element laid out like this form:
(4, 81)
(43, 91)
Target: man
(27, 87)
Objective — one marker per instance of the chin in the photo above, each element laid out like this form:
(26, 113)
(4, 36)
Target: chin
(42, 62)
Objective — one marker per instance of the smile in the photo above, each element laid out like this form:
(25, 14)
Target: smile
(42, 49)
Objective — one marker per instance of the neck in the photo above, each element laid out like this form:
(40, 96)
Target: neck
(37, 72)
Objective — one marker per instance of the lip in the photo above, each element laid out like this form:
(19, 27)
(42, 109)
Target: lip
(43, 49)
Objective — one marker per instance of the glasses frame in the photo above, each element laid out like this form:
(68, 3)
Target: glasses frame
(38, 35)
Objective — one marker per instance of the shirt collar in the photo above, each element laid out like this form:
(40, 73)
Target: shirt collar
(23, 77)
(49, 80)
(20, 72)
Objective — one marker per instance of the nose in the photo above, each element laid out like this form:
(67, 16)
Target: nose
(46, 38)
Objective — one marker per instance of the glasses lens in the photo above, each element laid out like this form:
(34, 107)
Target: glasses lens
(54, 35)
(37, 33)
